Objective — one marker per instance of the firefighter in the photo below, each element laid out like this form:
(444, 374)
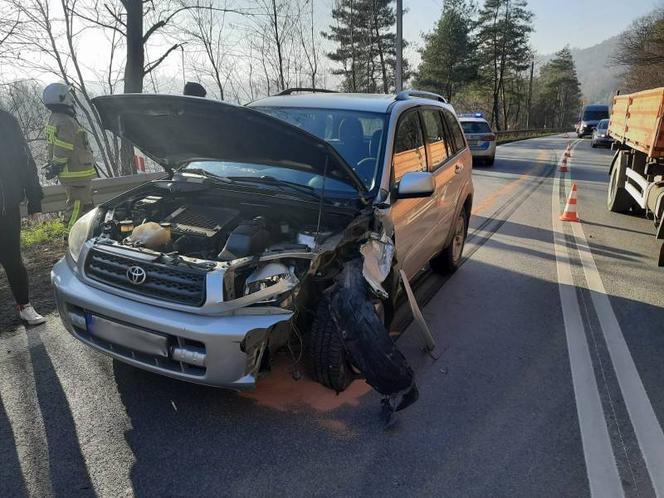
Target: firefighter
(69, 155)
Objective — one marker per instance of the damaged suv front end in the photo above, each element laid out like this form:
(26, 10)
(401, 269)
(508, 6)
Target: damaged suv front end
(204, 275)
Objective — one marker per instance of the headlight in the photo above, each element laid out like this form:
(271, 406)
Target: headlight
(267, 276)
(80, 232)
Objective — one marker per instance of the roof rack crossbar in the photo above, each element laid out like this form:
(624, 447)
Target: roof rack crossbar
(405, 94)
(290, 91)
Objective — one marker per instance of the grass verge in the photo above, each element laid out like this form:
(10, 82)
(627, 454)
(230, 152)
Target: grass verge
(34, 234)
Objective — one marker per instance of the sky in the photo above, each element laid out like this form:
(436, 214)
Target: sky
(579, 23)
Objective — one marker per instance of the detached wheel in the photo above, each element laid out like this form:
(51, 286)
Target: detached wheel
(449, 259)
(618, 199)
(328, 362)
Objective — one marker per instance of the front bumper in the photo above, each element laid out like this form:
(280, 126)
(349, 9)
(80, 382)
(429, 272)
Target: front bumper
(222, 351)
(602, 141)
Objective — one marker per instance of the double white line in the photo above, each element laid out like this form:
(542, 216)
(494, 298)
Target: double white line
(602, 470)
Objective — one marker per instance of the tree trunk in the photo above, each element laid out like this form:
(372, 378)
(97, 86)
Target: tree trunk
(277, 41)
(133, 75)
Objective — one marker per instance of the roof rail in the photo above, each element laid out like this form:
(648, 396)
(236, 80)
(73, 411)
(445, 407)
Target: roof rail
(406, 94)
(290, 91)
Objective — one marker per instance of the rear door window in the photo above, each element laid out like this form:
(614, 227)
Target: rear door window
(475, 127)
(434, 132)
(409, 153)
(455, 131)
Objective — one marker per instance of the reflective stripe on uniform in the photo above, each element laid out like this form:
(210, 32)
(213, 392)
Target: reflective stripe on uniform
(62, 144)
(52, 138)
(60, 160)
(74, 214)
(85, 173)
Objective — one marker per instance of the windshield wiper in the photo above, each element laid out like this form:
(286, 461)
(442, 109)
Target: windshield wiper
(271, 180)
(207, 174)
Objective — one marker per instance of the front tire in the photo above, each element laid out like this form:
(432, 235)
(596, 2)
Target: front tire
(489, 162)
(328, 361)
(449, 260)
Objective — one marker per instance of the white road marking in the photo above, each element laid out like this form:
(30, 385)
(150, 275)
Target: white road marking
(601, 467)
(646, 426)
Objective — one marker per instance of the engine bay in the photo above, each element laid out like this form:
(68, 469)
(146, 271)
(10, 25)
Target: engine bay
(212, 230)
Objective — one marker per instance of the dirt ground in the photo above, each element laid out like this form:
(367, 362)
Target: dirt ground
(38, 260)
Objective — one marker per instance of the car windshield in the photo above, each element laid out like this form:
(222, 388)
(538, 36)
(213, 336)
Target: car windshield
(470, 127)
(271, 176)
(595, 115)
(603, 124)
(357, 136)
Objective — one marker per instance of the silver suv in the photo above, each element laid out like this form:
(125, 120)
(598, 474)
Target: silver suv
(271, 215)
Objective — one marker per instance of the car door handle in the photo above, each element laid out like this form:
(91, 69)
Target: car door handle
(458, 168)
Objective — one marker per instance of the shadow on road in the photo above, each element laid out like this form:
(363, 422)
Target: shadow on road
(11, 477)
(68, 470)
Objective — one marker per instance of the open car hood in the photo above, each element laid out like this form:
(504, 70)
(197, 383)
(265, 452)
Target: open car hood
(173, 130)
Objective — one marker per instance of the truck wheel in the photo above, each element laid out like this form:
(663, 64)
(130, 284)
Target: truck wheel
(450, 258)
(328, 362)
(489, 162)
(618, 199)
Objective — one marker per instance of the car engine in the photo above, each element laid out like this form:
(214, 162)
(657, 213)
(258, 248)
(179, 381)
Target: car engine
(198, 230)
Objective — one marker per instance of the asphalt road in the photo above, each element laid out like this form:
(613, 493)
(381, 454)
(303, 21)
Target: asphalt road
(551, 383)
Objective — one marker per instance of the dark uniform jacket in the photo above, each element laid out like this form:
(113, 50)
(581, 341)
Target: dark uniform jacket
(18, 173)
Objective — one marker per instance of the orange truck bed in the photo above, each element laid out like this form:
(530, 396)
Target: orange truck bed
(636, 121)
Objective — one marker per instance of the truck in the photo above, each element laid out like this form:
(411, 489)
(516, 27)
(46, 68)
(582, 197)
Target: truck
(636, 173)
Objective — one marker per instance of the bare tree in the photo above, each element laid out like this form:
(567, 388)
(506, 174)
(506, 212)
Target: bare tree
(50, 45)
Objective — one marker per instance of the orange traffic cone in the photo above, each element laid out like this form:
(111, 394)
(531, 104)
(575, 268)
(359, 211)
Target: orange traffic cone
(563, 165)
(569, 214)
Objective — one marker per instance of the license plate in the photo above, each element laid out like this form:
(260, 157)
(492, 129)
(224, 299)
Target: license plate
(126, 336)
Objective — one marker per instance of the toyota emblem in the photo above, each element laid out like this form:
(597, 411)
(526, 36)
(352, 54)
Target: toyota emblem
(136, 275)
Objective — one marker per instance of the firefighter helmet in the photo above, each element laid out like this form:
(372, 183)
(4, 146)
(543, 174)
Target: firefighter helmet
(58, 94)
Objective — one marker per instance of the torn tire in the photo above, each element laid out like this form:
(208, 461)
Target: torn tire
(328, 362)
(365, 338)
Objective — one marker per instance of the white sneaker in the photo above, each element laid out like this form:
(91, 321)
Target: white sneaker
(28, 314)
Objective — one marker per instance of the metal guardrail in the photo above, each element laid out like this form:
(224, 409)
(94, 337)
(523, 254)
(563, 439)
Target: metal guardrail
(512, 135)
(103, 189)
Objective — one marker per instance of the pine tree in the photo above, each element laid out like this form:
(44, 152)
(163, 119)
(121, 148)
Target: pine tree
(448, 57)
(504, 27)
(560, 91)
(366, 44)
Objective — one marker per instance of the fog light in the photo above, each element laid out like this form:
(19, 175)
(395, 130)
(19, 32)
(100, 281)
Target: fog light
(189, 355)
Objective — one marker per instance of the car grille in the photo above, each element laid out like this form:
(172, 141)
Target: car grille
(182, 285)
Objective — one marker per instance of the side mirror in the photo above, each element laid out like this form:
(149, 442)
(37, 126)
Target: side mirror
(415, 184)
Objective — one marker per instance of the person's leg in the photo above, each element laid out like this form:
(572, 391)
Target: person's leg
(10, 254)
(72, 207)
(10, 258)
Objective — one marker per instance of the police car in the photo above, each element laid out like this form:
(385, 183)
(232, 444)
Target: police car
(480, 137)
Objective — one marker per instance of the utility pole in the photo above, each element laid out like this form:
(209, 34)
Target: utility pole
(398, 77)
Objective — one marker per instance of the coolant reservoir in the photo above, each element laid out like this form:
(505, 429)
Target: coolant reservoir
(150, 235)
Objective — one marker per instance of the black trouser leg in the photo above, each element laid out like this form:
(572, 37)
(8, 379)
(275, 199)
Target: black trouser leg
(10, 253)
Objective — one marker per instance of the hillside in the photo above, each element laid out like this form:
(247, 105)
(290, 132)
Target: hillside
(599, 81)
